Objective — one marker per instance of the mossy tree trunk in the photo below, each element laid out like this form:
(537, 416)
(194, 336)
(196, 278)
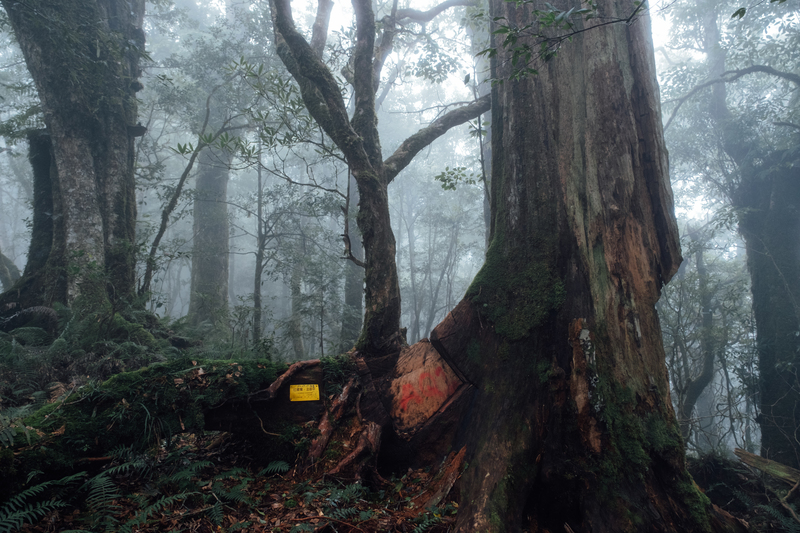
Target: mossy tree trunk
(570, 425)
(208, 301)
(84, 56)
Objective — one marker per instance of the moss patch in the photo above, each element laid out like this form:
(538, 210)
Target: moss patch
(516, 292)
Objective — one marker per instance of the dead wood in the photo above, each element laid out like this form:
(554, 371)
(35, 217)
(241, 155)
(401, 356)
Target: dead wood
(775, 469)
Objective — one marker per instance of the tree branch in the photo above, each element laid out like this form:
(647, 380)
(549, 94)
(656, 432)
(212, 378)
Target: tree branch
(415, 15)
(318, 87)
(733, 76)
(412, 146)
(364, 122)
(319, 32)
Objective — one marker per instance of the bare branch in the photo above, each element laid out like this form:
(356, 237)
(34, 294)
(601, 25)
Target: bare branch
(412, 146)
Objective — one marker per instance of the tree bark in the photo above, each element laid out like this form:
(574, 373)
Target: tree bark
(84, 58)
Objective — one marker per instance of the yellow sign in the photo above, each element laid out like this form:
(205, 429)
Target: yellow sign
(304, 393)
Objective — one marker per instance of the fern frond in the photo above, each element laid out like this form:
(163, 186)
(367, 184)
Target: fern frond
(343, 513)
(789, 525)
(28, 514)
(189, 471)
(215, 512)
(102, 492)
(428, 521)
(138, 466)
(17, 502)
(144, 514)
(275, 467)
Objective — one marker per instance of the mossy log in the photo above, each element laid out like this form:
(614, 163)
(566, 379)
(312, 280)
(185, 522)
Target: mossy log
(144, 408)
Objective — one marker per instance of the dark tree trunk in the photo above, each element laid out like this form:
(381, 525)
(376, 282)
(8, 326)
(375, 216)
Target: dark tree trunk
(89, 106)
(209, 285)
(766, 197)
(770, 225)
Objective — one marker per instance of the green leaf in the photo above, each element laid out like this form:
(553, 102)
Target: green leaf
(740, 12)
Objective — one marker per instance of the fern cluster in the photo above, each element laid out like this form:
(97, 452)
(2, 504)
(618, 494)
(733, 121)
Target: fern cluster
(24, 507)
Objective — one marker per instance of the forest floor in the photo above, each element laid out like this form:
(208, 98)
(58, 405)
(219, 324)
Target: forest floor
(217, 483)
(214, 483)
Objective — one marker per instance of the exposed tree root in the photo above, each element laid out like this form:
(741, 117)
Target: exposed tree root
(364, 455)
(328, 423)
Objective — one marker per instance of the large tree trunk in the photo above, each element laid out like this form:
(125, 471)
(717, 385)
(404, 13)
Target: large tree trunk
(84, 58)
(569, 424)
(208, 301)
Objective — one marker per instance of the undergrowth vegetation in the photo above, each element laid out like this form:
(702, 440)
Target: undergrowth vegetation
(199, 486)
(102, 429)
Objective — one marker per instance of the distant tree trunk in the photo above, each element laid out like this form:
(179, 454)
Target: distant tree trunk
(695, 385)
(208, 300)
(296, 319)
(569, 424)
(766, 198)
(260, 252)
(354, 278)
(84, 58)
(770, 225)
(410, 220)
